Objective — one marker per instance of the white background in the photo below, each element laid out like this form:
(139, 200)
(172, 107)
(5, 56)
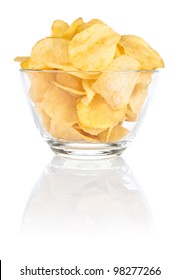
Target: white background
(153, 156)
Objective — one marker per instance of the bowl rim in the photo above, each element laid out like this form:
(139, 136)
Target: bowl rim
(89, 72)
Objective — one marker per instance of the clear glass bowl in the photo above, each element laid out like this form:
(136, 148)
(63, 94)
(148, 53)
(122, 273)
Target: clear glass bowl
(88, 114)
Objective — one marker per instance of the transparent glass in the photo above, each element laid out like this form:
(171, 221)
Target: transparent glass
(88, 114)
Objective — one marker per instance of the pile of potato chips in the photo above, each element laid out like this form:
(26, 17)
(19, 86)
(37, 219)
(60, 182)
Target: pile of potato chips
(94, 81)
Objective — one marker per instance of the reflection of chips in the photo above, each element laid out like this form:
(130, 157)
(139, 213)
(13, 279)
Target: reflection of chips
(114, 134)
(98, 114)
(72, 29)
(58, 28)
(49, 50)
(115, 86)
(136, 101)
(93, 48)
(60, 105)
(39, 84)
(136, 47)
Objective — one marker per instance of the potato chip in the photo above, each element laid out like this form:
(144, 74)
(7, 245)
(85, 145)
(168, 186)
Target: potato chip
(70, 90)
(87, 85)
(88, 24)
(114, 134)
(45, 118)
(39, 84)
(117, 52)
(86, 136)
(136, 101)
(25, 64)
(21, 58)
(145, 78)
(93, 48)
(58, 28)
(98, 114)
(69, 81)
(49, 50)
(60, 130)
(116, 86)
(60, 105)
(72, 29)
(92, 131)
(136, 47)
(75, 72)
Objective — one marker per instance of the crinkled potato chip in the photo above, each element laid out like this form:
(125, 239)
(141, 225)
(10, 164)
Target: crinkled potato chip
(70, 90)
(136, 47)
(145, 78)
(116, 86)
(58, 28)
(68, 80)
(49, 50)
(98, 114)
(111, 135)
(39, 84)
(93, 75)
(60, 105)
(72, 29)
(93, 48)
(87, 85)
(88, 24)
(21, 58)
(60, 130)
(136, 101)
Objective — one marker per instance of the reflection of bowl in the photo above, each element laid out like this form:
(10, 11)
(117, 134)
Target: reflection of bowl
(75, 197)
(88, 114)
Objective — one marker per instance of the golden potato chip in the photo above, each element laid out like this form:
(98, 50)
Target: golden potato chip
(93, 75)
(25, 64)
(60, 105)
(136, 101)
(92, 131)
(116, 133)
(87, 85)
(21, 58)
(69, 80)
(86, 136)
(145, 78)
(93, 48)
(58, 28)
(88, 24)
(136, 47)
(45, 118)
(117, 52)
(39, 84)
(116, 86)
(72, 29)
(98, 114)
(60, 130)
(69, 90)
(49, 50)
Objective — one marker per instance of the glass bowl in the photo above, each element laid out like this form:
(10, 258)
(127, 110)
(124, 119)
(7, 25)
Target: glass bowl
(88, 114)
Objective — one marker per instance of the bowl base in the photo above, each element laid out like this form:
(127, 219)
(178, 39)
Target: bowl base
(88, 150)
